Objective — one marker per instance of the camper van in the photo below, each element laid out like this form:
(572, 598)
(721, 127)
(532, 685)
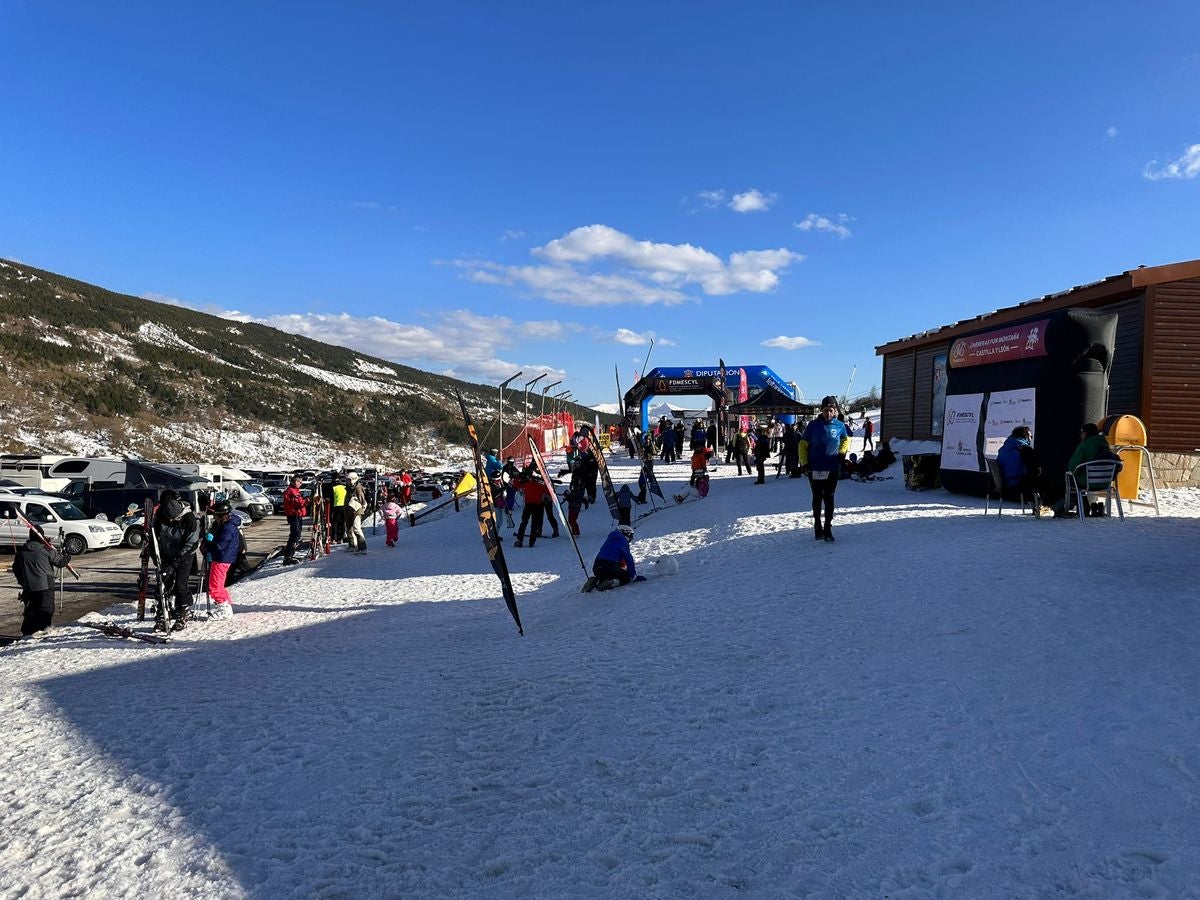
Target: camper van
(106, 469)
(31, 471)
(241, 491)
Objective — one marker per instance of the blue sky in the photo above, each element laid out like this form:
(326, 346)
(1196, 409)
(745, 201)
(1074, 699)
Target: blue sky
(482, 188)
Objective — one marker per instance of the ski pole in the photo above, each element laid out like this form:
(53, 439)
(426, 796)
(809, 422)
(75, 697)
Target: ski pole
(42, 538)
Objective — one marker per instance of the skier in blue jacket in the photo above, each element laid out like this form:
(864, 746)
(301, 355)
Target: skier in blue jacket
(822, 447)
(614, 563)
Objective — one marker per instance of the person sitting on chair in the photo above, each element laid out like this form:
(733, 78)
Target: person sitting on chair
(1092, 446)
(1019, 464)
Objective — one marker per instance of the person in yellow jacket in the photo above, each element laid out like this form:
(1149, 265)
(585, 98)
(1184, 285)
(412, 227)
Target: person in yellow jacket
(822, 447)
(338, 519)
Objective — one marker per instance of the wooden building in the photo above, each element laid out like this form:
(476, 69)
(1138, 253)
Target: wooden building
(1155, 373)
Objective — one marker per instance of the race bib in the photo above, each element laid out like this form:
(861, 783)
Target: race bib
(819, 476)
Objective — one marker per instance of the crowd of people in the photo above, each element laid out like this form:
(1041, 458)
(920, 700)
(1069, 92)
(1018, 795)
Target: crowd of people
(818, 450)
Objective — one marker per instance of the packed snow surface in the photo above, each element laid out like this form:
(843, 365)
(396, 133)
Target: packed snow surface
(941, 704)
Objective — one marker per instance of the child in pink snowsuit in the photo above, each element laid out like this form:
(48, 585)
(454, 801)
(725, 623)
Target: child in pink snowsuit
(391, 521)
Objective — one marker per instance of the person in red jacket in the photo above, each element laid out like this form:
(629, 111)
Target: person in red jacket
(295, 507)
(531, 486)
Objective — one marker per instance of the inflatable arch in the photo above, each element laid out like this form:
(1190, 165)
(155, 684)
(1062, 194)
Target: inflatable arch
(740, 383)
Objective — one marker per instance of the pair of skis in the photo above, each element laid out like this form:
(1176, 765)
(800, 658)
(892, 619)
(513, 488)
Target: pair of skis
(112, 629)
(150, 556)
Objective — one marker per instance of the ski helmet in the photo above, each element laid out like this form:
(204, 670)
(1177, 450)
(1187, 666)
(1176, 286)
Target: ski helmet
(626, 530)
(222, 508)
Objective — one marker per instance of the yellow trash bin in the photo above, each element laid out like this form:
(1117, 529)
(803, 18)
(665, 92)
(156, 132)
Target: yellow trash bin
(1127, 431)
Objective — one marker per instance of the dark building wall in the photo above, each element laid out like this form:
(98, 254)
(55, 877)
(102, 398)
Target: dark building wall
(1125, 377)
(1171, 398)
(922, 427)
(896, 416)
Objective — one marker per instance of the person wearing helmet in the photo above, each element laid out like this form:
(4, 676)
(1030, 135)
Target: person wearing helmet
(178, 533)
(614, 564)
(221, 546)
(822, 447)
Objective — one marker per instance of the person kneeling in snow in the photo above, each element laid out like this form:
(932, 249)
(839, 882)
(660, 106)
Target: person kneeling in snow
(614, 564)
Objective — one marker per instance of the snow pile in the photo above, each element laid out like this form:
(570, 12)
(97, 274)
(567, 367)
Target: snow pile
(941, 704)
(161, 334)
(55, 339)
(370, 368)
(347, 382)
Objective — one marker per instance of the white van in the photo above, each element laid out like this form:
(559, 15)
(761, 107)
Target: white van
(246, 494)
(55, 516)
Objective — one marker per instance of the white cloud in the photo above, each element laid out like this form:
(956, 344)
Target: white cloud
(459, 338)
(752, 200)
(1187, 166)
(790, 343)
(711, 199)
(633, 339)
(373, 205)
(1111, 131)
(814, 222)
(638, 272)
(511, 234)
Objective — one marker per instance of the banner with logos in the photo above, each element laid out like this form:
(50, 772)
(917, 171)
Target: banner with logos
(1002, 345)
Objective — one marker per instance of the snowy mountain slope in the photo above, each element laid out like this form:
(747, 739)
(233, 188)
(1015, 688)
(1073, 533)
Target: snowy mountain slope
(941, 704)
(85, 370)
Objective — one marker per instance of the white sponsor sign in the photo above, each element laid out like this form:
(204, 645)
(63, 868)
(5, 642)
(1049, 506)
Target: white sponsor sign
(1005, 411)
(960, 433)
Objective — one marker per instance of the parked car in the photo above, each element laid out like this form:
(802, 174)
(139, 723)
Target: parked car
(134, 533)
(55, 517)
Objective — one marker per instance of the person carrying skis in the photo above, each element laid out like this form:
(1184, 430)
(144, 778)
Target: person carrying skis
(178, 533)
(614, 566)
(221, 545)
(391, 521)
(821, 448)
(295, 507)
(33, 566)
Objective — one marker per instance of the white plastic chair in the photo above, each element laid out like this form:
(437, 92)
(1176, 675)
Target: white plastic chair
(1083, 480)
(998, 487)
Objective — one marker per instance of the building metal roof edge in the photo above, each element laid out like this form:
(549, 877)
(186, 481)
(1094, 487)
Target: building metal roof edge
(1127, 281)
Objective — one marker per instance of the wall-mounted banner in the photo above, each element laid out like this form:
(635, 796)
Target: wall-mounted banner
(960, 438)
(1002, 345)
(1005, 411)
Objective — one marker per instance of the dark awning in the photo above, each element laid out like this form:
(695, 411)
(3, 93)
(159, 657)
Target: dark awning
(771, 401)
(149, 475)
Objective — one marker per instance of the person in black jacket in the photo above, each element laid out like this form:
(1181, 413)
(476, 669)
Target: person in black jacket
(178, 532)
(762, 449)
(34, 567)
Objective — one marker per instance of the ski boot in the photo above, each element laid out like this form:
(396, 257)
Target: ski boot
(827, 536)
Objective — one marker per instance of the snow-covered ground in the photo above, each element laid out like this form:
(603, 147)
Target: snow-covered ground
(941, 704)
